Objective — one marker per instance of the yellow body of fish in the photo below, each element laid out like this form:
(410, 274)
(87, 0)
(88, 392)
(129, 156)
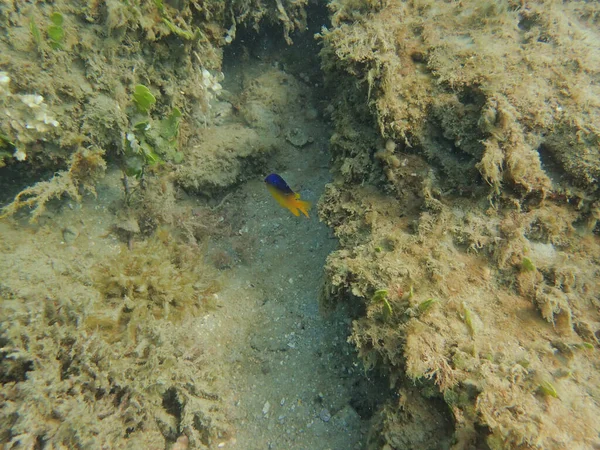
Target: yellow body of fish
(290, 201)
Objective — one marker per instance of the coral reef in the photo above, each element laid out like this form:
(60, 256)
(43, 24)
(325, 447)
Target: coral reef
(465, 163)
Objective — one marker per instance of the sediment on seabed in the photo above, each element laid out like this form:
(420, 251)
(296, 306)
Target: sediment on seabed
(154, 296)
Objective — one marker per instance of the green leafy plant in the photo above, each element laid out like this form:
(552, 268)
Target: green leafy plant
(168, 131)
(527, 265)
(184, 34)
(56, 33)
(548, 389)
(380, 295)
(138, 152)
(35, 33)
(143, 98)
(150, 143)
(424, 306)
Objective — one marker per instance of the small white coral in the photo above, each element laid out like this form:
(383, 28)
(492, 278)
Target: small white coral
(20, 154)
(32, 100)
(42, 120)
(28, 116)
(133, 142)
(211, 82)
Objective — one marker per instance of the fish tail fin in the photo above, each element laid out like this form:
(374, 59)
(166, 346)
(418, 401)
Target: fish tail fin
(303, 206)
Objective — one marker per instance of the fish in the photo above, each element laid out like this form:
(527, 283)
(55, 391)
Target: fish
(284, 195)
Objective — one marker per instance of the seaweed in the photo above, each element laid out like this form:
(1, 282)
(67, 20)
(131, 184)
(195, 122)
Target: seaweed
(56, 33)
(184, 34)
(92, 371)
(468, 318)
(426, 305)
(36, 35)
(86, 168)
(527, 265)
(381, 296)
(143, 98)
(151, 142)
(157, 279)
(548, 389)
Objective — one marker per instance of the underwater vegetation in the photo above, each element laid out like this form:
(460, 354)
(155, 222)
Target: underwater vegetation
(86, 168)
(158, 279)
(104, 354)
(150, 141)
(110, 359)
(465, 201)
(468, 163)
(112, 81)
(56, 33)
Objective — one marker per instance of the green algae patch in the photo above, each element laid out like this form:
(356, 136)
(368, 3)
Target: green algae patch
(56, 33)
(527, 265)
(548, 389)
(469, 321)
(381, 296)
(184, 34)
(143, 98)
(426, 305)
(36, 34)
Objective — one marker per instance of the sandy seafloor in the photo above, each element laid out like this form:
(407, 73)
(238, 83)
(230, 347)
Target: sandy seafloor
(196, 312)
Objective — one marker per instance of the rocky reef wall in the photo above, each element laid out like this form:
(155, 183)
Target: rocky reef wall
(465, 199)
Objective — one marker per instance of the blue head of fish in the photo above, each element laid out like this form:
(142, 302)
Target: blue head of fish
(279, 183)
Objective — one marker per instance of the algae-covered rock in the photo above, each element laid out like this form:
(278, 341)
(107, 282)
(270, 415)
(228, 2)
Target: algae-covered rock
(104, 354)
(221, 157)
(440, 80)
(493, 164)
(94, 57)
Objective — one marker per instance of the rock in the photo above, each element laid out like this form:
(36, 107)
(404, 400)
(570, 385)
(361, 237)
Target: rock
(347, 417)
(312, 114)
(128, 224)
(325, 415)
(297, 137)
(266, 408)
(69, 234)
